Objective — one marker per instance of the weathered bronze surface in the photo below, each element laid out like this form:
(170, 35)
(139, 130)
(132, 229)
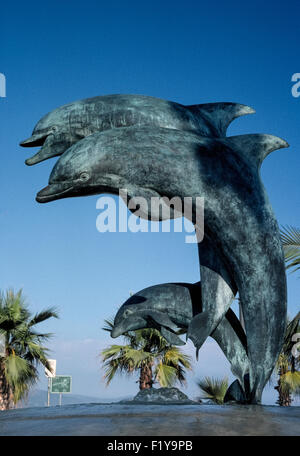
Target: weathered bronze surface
(155, 148)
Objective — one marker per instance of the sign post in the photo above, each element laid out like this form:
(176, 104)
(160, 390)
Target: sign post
(50, 374)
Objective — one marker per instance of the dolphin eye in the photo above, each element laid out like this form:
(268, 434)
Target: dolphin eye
(54, 128)
(84, 176)
(127, 312)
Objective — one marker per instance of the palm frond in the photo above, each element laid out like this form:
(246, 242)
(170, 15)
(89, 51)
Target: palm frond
(36, 354)
(292, 328)
(282, 363)
(174, 356)
(112, 351)
(165, 375)
(213, 388)
(17, 370)
(109, 324)
(43, 315)
(180, 373)
(290, 237)
(110, 370)
(137, 356)
(290, 383)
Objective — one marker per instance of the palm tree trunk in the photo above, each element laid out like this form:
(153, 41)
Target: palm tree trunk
(284, 397)
(146, 381)
(6, 397)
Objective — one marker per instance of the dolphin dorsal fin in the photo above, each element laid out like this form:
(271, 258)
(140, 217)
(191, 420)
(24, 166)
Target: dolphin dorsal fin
(220, 115)
(255, 147)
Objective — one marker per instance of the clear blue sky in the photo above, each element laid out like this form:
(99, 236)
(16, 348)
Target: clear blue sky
(190, 52)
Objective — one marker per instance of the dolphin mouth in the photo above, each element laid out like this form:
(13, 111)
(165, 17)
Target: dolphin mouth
(34, 140)
(50, 147)
(53, 192)
(37, 140)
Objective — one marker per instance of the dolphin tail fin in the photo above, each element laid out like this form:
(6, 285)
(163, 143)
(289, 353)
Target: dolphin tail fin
(235, 393)
(220, 115)
(256, 147)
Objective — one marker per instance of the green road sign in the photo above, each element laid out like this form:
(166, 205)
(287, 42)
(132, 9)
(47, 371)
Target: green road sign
(61, 384)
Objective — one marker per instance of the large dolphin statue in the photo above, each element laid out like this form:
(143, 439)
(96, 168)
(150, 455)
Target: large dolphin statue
(239, 220)
(170, 306)
(66, 125)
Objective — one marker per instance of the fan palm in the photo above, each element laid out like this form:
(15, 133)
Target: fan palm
(213, 389)
(288, 375)
(149, 353)
(290, 238)
(21, 347)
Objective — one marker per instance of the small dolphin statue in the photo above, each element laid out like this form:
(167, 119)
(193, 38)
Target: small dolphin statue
(170, 306)
(239, 221)
(66, 125)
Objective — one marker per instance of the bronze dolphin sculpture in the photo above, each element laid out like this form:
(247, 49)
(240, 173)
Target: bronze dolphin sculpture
(66, 125)
(239, 221)
(170, 306)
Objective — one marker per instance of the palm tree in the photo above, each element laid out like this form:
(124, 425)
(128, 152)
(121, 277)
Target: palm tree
(290, 238)
(22, 348)
(213, 389)
(288, 376)
(149, 353)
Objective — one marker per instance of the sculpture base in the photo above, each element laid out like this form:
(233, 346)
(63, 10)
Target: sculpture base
(152, 420)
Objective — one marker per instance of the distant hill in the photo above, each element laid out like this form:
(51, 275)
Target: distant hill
(38, 398)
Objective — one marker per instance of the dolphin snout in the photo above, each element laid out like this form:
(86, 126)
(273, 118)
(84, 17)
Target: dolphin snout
(34, 140)
(116, 332)
(131, 323)
(53, 192)
(51, 146)
(33, 160)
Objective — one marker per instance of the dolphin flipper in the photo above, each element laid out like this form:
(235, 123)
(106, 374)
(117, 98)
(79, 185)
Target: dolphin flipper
(162, 319)
(170, 337)
(147, 204)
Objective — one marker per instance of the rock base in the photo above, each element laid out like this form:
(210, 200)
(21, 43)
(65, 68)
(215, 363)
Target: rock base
(160, 396)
